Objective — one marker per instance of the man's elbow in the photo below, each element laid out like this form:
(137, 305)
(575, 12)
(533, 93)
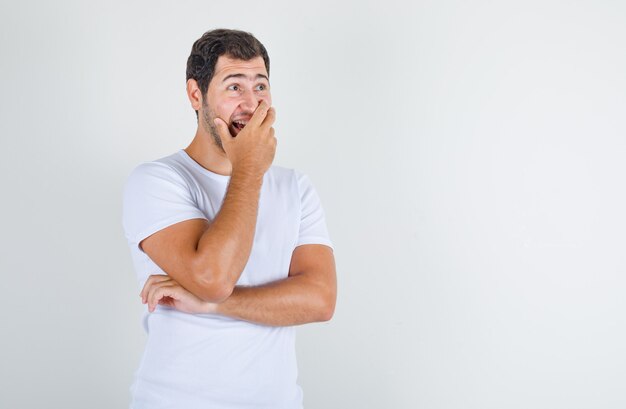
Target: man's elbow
(326, 309)
(212, 286)
(326, 314)
(213, 290)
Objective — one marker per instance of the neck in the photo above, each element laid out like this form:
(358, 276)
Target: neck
(203, 150)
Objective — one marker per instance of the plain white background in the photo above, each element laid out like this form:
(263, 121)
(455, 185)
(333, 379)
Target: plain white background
(469, 155)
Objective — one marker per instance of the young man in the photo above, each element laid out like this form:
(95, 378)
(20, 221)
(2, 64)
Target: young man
(231, 251)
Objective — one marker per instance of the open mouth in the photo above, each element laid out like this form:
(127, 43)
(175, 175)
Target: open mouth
(237, 125)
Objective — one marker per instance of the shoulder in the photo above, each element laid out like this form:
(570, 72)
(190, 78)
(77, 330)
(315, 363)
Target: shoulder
(288, 175)
(280, 178)
(166, 169)
(166, 165)
(279, 172)
(156, 195)
(296, 183)
(159, 179)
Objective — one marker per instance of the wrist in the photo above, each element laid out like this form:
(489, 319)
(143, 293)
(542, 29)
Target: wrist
(247, 175)
(209, 308)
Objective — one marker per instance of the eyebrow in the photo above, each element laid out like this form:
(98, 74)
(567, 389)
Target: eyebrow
(244, 76)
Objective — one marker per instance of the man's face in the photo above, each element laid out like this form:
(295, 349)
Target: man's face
(236, 89)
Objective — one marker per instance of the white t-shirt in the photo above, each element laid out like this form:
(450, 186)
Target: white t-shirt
(209, 361)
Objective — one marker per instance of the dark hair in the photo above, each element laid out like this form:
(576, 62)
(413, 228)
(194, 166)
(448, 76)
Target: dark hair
(215, 43)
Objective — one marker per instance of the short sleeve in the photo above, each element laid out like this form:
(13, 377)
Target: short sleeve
(155, 197)
(313, 228)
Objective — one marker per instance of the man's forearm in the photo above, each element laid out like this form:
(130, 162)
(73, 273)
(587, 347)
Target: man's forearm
(230, 235)
(293, 300)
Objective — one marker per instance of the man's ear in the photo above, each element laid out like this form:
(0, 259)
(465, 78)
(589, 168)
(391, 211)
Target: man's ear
(194, 94)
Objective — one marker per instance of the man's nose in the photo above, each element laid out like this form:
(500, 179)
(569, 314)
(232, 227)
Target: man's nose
(250, 101)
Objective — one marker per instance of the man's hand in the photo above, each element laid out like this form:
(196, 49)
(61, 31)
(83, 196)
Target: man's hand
(163, 290)
(253, 149)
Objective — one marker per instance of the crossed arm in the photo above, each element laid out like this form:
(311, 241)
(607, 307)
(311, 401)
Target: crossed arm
(203, 262)
(307, 295)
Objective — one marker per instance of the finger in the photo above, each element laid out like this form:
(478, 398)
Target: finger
(157, 293)
(153, 299)
(259, 114)
(269, 118)
(273, 139)
(149, 293)
(155, 278)
(222, 130)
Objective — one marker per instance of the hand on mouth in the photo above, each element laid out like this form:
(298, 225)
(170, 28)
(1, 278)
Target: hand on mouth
(236, 125)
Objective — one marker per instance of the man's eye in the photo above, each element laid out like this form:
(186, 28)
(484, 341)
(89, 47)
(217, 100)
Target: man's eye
(233, 88)
(261, 87)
